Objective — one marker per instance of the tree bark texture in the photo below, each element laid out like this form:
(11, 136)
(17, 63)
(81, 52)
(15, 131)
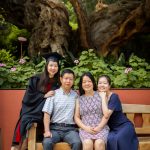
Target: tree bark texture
(109, 26)
(105, 29)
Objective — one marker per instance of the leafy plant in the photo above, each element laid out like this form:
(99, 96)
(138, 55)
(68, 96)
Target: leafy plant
(5, 56)
(135, 73)
(17, 73)
(135, 76)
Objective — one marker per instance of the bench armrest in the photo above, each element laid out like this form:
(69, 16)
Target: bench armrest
(32, 137)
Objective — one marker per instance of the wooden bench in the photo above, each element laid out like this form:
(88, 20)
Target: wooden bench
(134, 112)
(139, 115)
(33, 145)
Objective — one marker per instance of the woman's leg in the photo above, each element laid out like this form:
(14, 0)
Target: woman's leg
(99, 144)
(87, 144)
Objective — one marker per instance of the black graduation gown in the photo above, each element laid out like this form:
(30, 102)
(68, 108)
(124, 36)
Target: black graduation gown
(32, 105)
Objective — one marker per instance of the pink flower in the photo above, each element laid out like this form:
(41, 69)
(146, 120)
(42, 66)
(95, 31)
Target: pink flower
(22, 61)
(2, 65)
(127, 70)
(13, 69)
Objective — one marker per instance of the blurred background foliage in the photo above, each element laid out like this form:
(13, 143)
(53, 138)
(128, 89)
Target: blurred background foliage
(130, 69)
(134, 73)
(9, 34)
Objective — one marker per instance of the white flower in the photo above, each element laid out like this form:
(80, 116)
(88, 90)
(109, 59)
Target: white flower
(76, 61)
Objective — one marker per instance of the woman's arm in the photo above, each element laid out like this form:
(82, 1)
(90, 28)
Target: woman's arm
(78, 120)
(106, 111)
(101, 125)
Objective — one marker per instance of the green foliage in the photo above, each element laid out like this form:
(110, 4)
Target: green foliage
(5, 56)
(9, 35)
(135, 76)
(72, 15)
(17, 73)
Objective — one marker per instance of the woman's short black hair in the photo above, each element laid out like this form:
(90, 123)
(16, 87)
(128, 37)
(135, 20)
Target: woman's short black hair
(107, 78)
(88, 74)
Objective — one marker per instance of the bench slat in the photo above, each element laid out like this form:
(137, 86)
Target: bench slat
(136, 108)
(145, 130)
(62, 145)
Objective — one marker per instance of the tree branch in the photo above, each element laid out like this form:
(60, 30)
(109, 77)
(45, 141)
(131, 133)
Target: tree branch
(82, 23)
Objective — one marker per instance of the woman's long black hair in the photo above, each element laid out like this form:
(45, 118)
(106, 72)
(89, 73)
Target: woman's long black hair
(88, 74)
(44, 77)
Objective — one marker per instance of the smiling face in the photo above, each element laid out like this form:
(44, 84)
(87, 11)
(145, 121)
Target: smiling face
(87, 84)
(103, 85)
(67, 81)
(52, 68)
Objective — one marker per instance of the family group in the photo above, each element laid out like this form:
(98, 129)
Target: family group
(89, 119)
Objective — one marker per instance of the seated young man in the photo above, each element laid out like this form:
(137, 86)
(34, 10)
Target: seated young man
(58, 115)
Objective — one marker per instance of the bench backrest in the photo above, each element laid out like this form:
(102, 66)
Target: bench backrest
(139, 115)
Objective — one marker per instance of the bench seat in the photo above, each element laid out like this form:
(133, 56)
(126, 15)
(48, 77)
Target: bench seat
(131, 110)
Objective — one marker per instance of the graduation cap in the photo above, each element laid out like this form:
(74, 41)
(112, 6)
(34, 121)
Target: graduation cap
(53, 55)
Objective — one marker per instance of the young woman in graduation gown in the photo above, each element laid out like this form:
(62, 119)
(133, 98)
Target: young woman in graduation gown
(39, 88)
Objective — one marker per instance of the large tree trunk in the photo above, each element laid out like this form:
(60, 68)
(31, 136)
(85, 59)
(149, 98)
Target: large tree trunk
(112, 25)
(105, 29)
(47, 20)
(50, 26)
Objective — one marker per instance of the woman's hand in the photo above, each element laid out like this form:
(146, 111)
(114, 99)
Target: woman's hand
(49, 94)
(97, 129)
(102, 95)
(47, 134)
(90, 130)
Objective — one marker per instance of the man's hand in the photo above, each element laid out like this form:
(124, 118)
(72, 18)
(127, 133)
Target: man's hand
(47, 134)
